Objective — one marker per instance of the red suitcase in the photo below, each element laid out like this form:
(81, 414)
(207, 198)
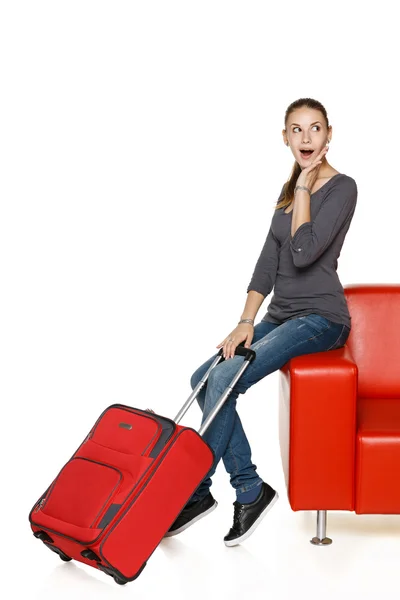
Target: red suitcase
(111, 504)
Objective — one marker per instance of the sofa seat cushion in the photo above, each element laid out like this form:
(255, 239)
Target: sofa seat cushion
(377, 486)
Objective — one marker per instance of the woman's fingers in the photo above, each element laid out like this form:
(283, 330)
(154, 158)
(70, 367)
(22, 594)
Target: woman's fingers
(223, 343)
(323, 152)
(227, 346)
(317, 159)
(237, 336)
(231, 349)
(228, 349)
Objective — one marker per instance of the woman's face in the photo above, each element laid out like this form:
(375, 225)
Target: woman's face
(306, 129)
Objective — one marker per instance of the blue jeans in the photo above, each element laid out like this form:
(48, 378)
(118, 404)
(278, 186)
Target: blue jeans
(274, 345)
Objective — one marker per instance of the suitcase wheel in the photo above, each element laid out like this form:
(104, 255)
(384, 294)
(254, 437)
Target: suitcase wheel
(119, 581)
(65, 557)
(60, 553)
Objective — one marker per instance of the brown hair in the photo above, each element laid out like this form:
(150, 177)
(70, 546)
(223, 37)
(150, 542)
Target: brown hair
(287, 193)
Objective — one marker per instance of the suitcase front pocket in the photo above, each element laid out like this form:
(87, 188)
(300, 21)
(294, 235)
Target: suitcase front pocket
(81, 491)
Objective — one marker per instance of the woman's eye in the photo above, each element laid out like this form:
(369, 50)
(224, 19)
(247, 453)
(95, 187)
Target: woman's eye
(317, 126)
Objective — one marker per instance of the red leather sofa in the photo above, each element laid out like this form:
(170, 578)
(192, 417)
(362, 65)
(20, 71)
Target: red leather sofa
(339, 415)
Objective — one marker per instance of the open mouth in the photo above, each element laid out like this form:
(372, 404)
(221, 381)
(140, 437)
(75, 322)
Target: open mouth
(306, 153)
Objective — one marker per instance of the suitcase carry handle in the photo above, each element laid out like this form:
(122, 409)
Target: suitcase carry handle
(249, 356)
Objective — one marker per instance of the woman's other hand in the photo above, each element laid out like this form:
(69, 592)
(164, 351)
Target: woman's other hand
(242, 333)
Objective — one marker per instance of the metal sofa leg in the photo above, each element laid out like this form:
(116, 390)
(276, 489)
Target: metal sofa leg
(321, 539)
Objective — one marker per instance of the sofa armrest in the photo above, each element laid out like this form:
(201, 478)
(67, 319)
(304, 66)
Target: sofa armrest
(317, 429)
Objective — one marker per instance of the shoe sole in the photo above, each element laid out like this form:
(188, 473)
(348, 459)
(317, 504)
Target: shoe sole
(243, 537)
(193, 521)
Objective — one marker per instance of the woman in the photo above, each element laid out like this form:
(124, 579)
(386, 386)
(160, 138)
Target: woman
(308, 311)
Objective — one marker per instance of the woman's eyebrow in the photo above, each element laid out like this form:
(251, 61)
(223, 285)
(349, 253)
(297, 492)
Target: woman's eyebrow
(300, 125)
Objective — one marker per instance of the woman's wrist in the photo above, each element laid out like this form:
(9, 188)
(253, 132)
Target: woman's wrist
(251, 321)
(302, 187)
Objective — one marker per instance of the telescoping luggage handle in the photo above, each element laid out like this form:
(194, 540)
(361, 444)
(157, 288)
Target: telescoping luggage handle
(249, 356)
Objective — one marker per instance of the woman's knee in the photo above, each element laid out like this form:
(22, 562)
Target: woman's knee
(213, 380)
(221, 376)
(199, 373)
(200, 398)
(195, 378)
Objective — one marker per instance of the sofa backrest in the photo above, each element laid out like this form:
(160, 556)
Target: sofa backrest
(374, 339)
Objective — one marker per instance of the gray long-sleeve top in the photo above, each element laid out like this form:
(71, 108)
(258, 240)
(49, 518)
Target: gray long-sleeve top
(302, 269)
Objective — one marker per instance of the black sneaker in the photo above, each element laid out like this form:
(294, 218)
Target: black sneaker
(192, 513)
(246, 517)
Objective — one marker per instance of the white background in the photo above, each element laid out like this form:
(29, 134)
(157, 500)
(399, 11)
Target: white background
(141, 157)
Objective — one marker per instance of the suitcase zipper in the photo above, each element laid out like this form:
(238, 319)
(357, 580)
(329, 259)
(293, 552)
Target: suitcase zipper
(153, 441)
(40, 505)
